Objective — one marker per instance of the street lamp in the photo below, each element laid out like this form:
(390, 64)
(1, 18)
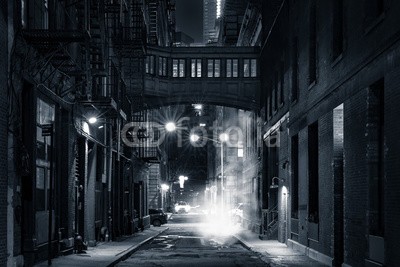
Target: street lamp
(92, 120)
(223, 137)
(182, 180)
(170, 127)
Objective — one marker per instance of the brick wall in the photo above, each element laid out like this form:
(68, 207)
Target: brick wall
(154, 187)
(371, 51)
(392, 166)
(325, 182)
(3, 133)
(283, 174)
(303, 185)
(355, 181)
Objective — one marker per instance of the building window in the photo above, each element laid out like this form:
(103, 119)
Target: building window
(295, 176)
(162, 66)
(150, 65)
(276, 85)
(45, 114)
(249, 68)
(337, 29)
(38, 14)
(282, 84)
(232, 68)
(196, 68)
(178, 68)
(313, 177)
(214, 68)
(295, 70)
(376, 158)
(312, 53)
(270, 100)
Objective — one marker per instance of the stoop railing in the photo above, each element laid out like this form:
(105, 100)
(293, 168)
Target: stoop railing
(269, 222)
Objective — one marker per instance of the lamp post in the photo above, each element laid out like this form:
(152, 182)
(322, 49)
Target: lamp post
(223, 137)
(164, 189)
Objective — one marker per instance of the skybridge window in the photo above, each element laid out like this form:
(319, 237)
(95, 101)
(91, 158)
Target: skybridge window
(178, 68)
(196, 68)
(214, 68)
(231, 68)
(250, 68)
(162, 66)
(150, 64)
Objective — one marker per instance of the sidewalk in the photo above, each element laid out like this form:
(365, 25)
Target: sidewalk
(273, 252)
(107, 253)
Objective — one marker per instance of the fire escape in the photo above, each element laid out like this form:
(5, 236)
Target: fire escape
(57, 38)
(126, 21)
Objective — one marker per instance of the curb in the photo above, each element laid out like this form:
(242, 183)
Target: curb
(244, 243)
(129, 251)
(250, 248)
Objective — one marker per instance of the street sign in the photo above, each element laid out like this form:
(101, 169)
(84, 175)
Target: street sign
(47, 129)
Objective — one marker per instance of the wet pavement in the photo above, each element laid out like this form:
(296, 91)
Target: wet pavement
(186, 243)
(189, 240)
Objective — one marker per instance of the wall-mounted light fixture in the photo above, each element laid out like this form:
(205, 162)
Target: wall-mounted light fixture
(276, 185)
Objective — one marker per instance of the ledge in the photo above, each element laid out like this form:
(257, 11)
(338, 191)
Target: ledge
(309, 252)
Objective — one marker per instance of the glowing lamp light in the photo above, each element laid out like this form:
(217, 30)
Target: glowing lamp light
(85, 127)
(194, 138)
(164, 187)
(223, 137)
(198, 106)
(170, 127)
(182, 180)
(92, 120)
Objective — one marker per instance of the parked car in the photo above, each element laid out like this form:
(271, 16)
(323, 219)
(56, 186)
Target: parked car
(157, 217)
(182, 207)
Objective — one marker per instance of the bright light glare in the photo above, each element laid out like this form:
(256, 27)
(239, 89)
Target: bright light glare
(92, 120)
(194, 138)
(203, 125)
(170, 127)
(164, 187)
(220, 225)
(182, 180)
(223, 137)
(85, 127)
(198, 106)
(218, 9)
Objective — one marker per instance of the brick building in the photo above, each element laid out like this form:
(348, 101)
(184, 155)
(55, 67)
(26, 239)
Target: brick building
(317, 165)
(4, 199)
(329, 73)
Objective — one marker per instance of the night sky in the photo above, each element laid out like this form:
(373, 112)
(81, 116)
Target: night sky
(189, 18)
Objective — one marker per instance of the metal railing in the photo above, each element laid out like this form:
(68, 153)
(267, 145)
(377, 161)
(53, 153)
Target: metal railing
(269, 221)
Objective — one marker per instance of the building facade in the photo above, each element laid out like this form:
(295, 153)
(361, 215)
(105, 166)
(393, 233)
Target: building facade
(314, 96)
(329, 88)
